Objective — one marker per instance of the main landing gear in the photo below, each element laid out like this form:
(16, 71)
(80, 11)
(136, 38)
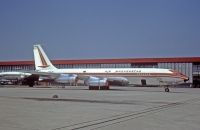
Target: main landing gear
(166, 89)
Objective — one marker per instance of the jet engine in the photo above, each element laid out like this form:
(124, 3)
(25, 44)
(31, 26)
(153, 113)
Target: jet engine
(95, 81)
(118, 81)
(67, 78)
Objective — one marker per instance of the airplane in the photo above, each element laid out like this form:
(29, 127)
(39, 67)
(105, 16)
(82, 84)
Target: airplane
(23, 77)
(105, 76)
(14, 75)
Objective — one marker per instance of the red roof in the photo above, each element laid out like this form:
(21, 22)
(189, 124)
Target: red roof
(111, 61)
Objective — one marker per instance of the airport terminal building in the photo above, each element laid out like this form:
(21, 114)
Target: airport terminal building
(189, 66)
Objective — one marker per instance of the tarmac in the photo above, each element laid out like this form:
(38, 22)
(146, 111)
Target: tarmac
(120, 108)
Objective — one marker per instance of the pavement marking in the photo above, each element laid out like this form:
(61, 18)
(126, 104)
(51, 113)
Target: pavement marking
(99, 123)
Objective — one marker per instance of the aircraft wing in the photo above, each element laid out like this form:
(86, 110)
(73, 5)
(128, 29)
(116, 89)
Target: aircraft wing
(50, 75)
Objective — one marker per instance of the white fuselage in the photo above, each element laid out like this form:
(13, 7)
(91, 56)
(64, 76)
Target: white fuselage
(152, 76)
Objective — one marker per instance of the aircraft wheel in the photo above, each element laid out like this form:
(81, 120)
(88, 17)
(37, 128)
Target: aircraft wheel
(31, 84)
(167, 89)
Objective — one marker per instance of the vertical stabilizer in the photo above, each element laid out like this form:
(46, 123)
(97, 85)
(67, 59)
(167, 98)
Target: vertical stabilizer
(41, 60)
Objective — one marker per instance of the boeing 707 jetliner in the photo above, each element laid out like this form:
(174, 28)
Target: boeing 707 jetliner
(104, 76)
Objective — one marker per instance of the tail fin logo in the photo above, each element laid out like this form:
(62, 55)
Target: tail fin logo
(44, 63)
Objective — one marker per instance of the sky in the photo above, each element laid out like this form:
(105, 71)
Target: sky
(99, 29)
